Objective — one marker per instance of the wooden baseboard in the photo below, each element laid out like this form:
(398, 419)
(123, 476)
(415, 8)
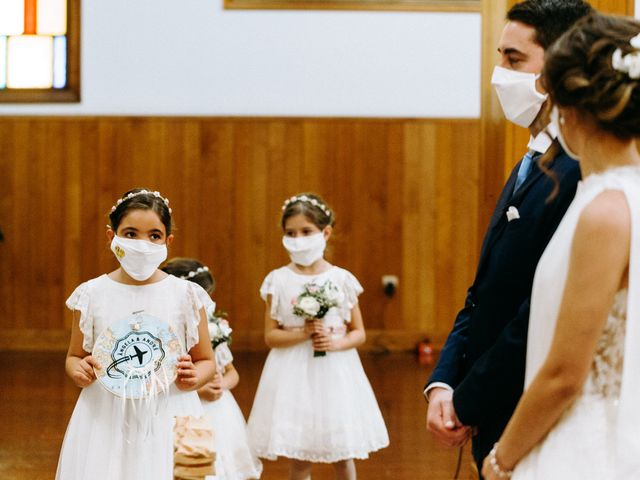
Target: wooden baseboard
(58, 340)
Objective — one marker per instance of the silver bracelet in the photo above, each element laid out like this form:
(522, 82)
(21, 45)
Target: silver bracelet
(497, 469)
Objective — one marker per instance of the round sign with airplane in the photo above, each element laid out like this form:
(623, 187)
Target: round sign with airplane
(138, 356)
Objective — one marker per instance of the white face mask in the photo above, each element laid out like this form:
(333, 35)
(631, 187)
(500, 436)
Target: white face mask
(556, 121)
(520, 100)
(139, 258)
(305, 250)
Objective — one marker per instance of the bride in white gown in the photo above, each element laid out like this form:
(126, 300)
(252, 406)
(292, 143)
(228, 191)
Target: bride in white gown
(579, 418)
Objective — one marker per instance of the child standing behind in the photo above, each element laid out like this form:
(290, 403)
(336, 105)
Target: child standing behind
(234, 460)
(312, 408)
(118, 438)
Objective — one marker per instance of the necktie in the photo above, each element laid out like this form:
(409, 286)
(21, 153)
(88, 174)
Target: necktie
(525, 168)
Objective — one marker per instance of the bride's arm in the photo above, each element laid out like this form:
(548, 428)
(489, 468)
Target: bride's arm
(597, 270)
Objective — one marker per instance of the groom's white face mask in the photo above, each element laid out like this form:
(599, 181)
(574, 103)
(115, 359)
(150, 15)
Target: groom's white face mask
(520, 100)
(515, 78)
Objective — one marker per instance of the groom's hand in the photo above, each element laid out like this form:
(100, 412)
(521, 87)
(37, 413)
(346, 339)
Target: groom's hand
(442, 420)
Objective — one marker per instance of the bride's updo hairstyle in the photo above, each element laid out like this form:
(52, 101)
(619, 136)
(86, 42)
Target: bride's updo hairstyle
(595, 69)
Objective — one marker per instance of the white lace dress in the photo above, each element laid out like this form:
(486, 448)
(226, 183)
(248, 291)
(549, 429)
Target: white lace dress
(234, 458)
(109, 438)
(598, 437)
(318, 409)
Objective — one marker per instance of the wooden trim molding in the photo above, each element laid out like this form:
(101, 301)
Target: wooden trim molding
(393, 5)
(69, 94)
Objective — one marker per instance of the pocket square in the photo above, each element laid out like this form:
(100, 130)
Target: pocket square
(512, 213)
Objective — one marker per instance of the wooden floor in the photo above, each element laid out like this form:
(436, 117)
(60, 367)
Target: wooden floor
(37, 399)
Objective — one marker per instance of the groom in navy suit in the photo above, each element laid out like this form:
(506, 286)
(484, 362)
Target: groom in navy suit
(479, 377)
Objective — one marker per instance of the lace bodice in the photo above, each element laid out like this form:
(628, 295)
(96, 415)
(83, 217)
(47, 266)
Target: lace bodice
(605, 376)
(597, 436)
(284, 285)
(103, 301)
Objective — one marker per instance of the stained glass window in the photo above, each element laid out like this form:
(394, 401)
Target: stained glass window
(35, 44)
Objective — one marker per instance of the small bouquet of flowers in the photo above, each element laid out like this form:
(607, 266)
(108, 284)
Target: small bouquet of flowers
(315, 301)
(219, 329)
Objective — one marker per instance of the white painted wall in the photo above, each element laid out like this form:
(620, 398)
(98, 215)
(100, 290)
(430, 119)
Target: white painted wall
(191, 57)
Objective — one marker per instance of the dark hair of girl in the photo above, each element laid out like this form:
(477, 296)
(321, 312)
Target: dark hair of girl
(141, 201)
(192, 270)
(312, 206)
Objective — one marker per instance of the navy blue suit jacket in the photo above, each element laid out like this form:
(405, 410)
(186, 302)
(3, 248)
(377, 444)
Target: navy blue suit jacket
(484, 356)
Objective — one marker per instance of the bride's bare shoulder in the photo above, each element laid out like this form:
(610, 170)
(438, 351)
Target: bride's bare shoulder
(605, 222)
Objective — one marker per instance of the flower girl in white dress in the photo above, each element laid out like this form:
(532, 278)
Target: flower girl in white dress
(314, 402)
(113, 437)
(234, 458)
(579, 418)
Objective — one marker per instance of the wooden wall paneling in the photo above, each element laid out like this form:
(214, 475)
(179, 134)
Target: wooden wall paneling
(71, 219)
(249, 262)
(456, 218)
(260, 226)
(418, 289)
(102, 184)
(447, 219)
(363, 216)
(619, 7)
(46, 222)
(374, 208)
(391, 204)
(181, 147)
(399, 188)
(216, 191)
(7, 178)
(19, 233)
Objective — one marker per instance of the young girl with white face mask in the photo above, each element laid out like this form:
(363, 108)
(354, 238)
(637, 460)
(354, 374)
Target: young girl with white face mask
(311, 407)
(155, 330)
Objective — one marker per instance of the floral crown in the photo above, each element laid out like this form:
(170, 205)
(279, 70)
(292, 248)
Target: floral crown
(629, 63)
(195, 272)
(304, 198)
(141, 192)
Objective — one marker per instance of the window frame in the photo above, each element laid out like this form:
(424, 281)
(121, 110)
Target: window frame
(71, 92)
(394, 5)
